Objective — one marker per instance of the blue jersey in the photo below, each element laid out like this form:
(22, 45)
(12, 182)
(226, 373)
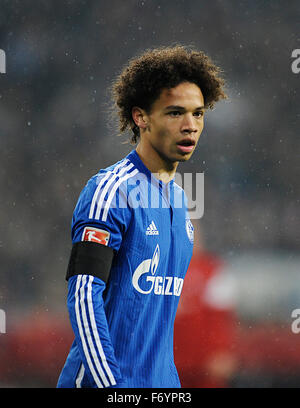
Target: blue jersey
(124, 329)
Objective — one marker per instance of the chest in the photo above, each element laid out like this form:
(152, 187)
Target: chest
(162, 235)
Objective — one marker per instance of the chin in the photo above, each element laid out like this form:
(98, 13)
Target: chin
(185, 157)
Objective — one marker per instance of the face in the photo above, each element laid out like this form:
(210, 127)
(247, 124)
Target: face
(174, 125)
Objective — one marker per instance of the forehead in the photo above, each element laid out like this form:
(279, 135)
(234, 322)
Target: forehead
(186, 94)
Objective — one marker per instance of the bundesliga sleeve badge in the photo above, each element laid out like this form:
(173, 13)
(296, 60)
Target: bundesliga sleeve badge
(189, 230)
(95, 235)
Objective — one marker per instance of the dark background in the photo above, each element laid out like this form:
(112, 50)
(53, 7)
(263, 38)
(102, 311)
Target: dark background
(55, 133)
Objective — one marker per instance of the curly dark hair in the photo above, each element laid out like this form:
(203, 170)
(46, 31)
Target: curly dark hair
(143, 79)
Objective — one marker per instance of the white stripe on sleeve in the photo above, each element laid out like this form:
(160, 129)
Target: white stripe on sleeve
(92, 350)
(114, 189)
(96, 334)
(96, 193)
(108, 184)
(81, 333)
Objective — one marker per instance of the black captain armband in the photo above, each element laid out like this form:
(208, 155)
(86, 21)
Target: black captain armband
(90, 258)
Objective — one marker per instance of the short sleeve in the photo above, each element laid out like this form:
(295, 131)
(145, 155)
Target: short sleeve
(101, 213)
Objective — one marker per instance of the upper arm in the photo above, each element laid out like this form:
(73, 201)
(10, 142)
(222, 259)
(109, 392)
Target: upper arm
(101, 214)
(99, 223)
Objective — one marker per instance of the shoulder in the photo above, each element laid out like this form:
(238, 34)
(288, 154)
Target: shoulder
(178, 189)
(180, 195)
(107, 190)
(102, 203)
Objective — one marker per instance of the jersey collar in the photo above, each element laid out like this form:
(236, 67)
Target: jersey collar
(136, 160)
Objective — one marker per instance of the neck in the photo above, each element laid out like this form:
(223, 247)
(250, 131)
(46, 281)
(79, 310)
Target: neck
(161, 168)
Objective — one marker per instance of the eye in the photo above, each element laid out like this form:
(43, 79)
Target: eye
(198, 114)
(174, 113)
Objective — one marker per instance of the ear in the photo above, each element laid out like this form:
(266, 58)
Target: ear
(139, 117)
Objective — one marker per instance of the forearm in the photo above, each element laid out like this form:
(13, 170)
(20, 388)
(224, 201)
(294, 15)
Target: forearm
(89, 323)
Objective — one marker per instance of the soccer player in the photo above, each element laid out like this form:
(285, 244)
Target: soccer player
(131, 232)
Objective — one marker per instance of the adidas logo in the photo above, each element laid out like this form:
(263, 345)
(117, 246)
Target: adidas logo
(152, 230)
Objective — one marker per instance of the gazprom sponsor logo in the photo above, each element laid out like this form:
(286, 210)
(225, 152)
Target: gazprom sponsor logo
(145, 280)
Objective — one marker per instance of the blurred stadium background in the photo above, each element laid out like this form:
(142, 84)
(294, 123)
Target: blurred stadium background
(54, 134)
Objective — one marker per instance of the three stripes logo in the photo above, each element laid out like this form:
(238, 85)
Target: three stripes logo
(89, 335)
(108, 187)
(152, 230)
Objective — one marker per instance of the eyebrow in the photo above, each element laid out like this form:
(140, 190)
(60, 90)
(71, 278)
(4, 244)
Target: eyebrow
(176, 107)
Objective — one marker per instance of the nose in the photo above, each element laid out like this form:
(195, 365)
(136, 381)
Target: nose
(188, 124)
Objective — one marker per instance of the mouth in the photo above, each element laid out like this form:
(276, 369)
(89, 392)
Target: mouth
(186, 145)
